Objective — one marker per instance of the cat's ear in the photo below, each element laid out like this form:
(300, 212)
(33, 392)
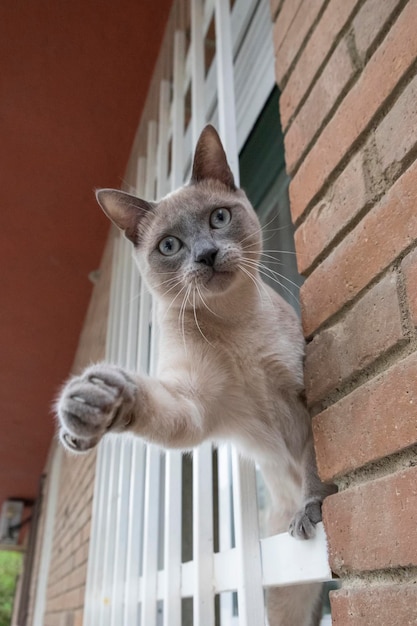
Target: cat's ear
(210, 159)
(124, 210)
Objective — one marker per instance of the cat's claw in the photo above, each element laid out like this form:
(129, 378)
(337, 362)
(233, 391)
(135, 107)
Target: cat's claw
(99, 400)
(303, 524)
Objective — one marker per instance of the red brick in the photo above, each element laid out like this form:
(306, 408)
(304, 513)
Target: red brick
(295, 36)
(343, 201)
(285, 18)
(375, 420)
(373, 526)
(331, 23)
(382, 605)
(369, 22)
(396, 135)
(382, 235)
(370, 328)
(409, 268)
(336, 75)
(385, 68)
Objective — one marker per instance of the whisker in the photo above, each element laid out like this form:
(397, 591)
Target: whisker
(269, 269)
(258, 230)
(181, 318)
(262, 270)
(258, 283)
(205, 303)
(273, 250)
(197, 324)
(173, 285)
(135, 297)
(172, 302)
(164, 282)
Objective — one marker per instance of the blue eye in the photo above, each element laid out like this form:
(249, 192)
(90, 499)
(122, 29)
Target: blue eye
(169, 246)
(220, 218)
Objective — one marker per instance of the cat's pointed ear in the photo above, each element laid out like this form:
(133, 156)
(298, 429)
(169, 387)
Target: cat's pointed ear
(124, 210)
(210, 159)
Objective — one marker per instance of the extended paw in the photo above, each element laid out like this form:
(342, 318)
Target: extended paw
(303, 524)
(99, 400)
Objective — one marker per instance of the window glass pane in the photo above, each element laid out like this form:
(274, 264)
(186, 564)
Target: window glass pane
(263, 176)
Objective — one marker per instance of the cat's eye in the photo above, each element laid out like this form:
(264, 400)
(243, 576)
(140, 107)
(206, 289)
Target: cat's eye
(220, 218)
(169, 246)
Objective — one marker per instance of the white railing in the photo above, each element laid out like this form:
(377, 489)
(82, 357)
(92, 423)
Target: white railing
(135, 572)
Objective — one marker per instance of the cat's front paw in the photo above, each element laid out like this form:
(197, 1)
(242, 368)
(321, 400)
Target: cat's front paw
(303, 524)
(99, 400)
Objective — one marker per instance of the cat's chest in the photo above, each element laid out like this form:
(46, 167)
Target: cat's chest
(254, 365)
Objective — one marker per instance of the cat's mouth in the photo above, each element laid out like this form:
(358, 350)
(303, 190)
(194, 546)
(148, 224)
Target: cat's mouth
(220, 279)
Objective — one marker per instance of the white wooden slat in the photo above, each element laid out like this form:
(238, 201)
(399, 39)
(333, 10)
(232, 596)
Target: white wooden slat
(226, 524)
(113, 453)
(163, 139)
(225, 85)
(250, 592)
(130, 358)
(144, 329)
(206, 13)
(135, 285)
(121, 531)
(150, 546)
(141, 176)
(187, 579)
(151, 152)
(123, 322)
(134, 533)
(177, 172)
(287, 561)
(173, 534)
(203, 535)
(113, 326)
(226, 577)
(197, 69)
(93, 596)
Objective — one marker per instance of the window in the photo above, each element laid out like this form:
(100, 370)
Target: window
(145, 498)
(263, 176)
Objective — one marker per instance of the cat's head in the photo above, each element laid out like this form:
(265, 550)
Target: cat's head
(202, 240)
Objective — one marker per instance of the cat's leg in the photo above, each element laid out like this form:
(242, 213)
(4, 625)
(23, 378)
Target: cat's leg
(298, 605)
(303, 523)
(107, 398)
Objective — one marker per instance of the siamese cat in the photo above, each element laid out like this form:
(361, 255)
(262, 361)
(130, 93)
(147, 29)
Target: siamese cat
(231, 353)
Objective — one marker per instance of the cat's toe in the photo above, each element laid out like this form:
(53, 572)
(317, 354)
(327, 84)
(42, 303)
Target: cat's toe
(76, 444)
(303, 524)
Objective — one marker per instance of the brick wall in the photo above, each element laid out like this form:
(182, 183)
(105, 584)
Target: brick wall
(68, 566)
(347, 72)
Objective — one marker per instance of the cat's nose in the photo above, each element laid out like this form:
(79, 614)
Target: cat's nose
(206, 256)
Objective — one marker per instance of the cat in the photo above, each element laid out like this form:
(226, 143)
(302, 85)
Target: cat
(231, 353)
